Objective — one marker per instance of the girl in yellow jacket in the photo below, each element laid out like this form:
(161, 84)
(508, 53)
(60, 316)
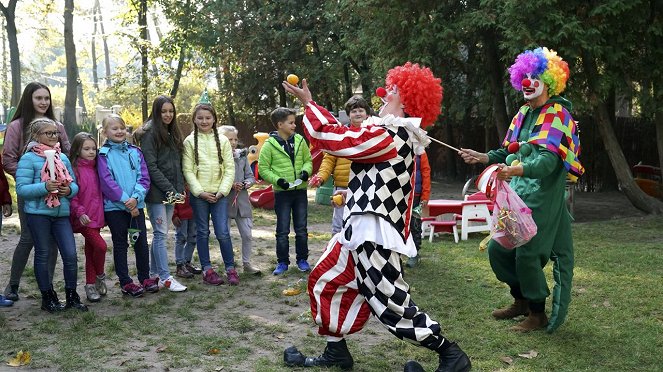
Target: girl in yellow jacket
(209, 169)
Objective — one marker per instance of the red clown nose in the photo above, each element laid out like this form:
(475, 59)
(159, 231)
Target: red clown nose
(381, 92)
(526, 83)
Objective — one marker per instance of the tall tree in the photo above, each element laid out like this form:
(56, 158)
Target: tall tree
(104, 39)
(72, 68)
(142, 46)
(95, 75)
(9, 12)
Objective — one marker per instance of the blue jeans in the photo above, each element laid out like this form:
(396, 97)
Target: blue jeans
(160, 215)
(295, 201)
(45, 230)
(202, 210)
(185, 241)
(119, 223)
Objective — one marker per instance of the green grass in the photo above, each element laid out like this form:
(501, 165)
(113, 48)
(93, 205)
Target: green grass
(615, 321)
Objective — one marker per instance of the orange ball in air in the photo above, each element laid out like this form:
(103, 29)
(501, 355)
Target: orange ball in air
(292, 79)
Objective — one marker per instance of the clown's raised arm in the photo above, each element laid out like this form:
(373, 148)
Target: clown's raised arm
(368, 143)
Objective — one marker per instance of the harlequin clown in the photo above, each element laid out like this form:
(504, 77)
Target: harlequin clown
(539, 153)
(360, 271)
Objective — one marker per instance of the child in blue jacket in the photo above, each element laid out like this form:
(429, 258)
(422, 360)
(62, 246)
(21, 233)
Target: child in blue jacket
(47, 187)
(124, 184)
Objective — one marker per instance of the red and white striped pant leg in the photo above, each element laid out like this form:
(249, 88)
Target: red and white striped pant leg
(380, 278)
(337, 306)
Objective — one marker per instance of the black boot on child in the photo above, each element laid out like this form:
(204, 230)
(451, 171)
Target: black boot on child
(73, 300)
(49, 302)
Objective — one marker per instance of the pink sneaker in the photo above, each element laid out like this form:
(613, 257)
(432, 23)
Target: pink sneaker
(211, 277)
(233, 278)
(151, 285)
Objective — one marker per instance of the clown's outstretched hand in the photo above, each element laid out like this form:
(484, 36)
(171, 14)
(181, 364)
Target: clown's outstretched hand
(303, 94)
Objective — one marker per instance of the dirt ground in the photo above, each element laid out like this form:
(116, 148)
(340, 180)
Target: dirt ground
(588, 207)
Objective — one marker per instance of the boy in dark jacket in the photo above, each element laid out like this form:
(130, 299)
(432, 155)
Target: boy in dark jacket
(285, 162)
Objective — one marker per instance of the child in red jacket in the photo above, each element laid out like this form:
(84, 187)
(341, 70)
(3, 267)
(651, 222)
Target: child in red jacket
(87, 214)
(185, 239)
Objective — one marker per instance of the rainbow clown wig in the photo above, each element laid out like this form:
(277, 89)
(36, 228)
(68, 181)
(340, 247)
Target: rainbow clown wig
(544, 64)
(419, 90)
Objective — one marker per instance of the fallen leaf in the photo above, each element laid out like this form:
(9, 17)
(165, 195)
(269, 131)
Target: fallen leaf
(506, 359)
(161, 348)
(22, 358)
(213, 351)
(529, 355)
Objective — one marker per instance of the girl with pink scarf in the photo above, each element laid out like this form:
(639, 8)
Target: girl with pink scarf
(44, 179)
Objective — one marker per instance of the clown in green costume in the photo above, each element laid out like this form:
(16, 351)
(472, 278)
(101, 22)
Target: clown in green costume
(543, 138)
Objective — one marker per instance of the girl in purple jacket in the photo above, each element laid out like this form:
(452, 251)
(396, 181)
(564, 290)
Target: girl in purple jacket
(87, 213)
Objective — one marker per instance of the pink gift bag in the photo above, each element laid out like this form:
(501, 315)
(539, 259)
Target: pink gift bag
(513, 224)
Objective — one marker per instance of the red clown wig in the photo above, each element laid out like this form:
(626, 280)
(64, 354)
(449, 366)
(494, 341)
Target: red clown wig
(419, 90)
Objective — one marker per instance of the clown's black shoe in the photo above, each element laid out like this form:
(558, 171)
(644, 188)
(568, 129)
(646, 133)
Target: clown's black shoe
(453, 359)
(412, 366)
(336, 354)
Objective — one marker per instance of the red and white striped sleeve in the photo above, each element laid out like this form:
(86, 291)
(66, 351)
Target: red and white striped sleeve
(370, 144)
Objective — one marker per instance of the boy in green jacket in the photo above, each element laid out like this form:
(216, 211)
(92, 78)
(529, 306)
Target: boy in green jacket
(285, 162)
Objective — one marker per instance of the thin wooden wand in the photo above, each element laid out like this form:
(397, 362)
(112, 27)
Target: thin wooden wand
(449, 146)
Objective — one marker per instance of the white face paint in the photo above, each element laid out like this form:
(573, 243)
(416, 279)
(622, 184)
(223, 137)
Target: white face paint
(392, 104)
(532, 87)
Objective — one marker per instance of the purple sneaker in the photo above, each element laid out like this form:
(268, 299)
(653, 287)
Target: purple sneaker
(233, 278)
(151, 285)
(211, 277)
(132, 289)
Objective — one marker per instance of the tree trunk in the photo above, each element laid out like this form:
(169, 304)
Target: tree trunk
(637, 197)
(223, 82)
(325, 86)
(104, 40)
(142, 23)
(95, 77)
(495, 69)
(178, 72)
(72, 69)
(5, 70)
(347, 81)
(658, 120)
(14, 56)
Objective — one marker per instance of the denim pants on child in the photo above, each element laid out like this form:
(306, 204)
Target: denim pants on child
(46, 231)
(285, 202)
(119, 222)
(185, 241)
(160, 216)
(23, 248)
(202, 210)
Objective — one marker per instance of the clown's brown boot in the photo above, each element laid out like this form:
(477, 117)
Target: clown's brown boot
(518, 307)
(533, 322)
